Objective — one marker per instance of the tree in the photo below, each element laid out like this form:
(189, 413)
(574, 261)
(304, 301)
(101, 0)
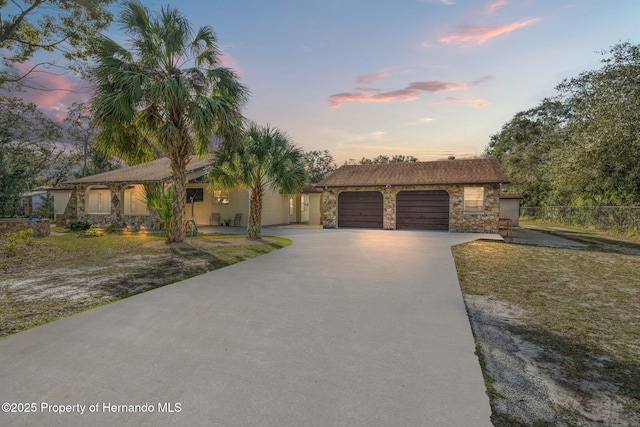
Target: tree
(396, 158)
(66, 26)
(266, 158)
(527, 146)
(31, 154)
(605, 130)
(583, 145)
(81, 131)
(318, 164)
(167, 96)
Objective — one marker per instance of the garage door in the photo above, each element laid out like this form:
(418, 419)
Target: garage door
(422, 210)
(360, 209)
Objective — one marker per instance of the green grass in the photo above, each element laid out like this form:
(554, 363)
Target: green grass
(582, 304)
(126, 263)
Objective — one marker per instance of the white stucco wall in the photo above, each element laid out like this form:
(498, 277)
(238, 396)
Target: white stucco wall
(60, 200)
(510, 208)
(315, 209)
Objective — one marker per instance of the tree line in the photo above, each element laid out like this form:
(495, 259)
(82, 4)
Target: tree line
(580, 147)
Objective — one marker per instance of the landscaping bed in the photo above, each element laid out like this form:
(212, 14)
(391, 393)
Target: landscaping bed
(557, 330)
(47, 278)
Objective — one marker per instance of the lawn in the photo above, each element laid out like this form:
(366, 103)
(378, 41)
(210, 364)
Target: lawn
(48, 278)
(569, 318)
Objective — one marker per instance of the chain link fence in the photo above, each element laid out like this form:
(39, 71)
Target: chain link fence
(619, 218)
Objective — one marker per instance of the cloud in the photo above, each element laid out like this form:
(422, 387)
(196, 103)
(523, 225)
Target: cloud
(479, 103)
(426, 45)
(442, 2)
(52, 89)
(467, 35)
(367, 79)
(409, 93)
(490, 8)
(422, 121)
(230, 62)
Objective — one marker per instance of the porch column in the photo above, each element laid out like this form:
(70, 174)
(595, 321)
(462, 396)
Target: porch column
(81, 207)
(116, 193)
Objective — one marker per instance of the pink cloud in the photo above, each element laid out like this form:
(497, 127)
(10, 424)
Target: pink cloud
(426, 45)
(479, 103)
(52, 89)
(479, 34)
(409, 93)
(490, 8)
(230, 62)
(367, 79)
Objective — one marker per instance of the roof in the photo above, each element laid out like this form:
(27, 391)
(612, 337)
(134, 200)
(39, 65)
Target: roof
(443, 172)
(310, 189)
(510, 195)
(155, 171)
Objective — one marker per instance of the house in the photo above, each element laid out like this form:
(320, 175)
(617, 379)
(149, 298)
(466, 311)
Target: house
(35, 201)
(118, 197)
(455, 195)
(510, 206)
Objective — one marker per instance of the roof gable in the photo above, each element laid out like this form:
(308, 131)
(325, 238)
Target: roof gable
(156, 171)
(443, 172)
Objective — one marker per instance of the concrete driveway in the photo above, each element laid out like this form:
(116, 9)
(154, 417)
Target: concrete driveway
(343, 328)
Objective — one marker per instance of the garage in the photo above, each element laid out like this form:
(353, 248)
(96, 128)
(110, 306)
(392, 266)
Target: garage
(360, 209)
(422, 210)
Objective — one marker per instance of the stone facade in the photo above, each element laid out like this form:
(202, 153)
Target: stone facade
(76, 210)
(40, 227)
(459, 221)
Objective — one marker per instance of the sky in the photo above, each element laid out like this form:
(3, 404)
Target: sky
(427, 78)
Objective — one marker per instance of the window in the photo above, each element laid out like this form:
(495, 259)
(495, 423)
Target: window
(195, 195)
(132, 204)
(292, 206)
(220, 198)
(99, 202)
(474, 199)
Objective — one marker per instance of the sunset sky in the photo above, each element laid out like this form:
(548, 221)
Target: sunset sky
(427, 78)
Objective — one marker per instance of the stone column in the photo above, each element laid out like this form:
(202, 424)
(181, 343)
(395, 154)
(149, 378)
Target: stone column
(116, 193)
(330, 209)
(389, 208)
(81, 206)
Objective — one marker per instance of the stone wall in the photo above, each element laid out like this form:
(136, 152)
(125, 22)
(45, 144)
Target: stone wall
(132, 222)
(485, 222)
(40, 227)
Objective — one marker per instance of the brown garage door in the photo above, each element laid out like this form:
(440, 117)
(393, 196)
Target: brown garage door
(360, 209)
(422, 210)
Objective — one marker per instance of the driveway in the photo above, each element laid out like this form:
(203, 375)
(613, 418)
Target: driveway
(343, 328)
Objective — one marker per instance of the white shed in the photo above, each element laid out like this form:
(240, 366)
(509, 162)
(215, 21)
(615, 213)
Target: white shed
(510, 206)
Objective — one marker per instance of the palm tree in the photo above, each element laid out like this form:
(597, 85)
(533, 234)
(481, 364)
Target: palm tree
(265, 159)
(166, 96)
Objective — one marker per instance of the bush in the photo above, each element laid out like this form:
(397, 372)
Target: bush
(110, 228)
(79, 225)
(91, 232)
(15, 243)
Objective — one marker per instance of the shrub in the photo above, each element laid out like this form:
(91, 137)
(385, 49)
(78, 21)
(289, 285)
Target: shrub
(15, 243)
(110, 228)
(91, 232)
(79, 225)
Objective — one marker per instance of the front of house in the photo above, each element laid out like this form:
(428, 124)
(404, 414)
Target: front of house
(455, 195)
(118, 197)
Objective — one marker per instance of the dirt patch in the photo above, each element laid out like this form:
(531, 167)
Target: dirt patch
(62, 275)
(526, 380)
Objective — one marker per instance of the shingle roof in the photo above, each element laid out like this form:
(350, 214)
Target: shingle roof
(444, 172)
(155, 171)
(510, 195)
